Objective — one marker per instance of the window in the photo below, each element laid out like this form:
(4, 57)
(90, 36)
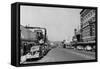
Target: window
(93, 19)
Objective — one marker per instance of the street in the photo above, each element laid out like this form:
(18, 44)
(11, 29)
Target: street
(68, 35)
(63, 54)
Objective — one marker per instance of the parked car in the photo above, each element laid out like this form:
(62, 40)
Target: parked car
(88, 48)
(80, 47)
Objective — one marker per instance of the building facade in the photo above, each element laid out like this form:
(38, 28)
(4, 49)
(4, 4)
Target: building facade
(27, 34)
(88, 23)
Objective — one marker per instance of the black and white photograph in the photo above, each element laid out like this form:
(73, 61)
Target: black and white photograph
(52, 34)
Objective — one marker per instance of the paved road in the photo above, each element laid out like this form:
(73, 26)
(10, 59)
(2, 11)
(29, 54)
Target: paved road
(61, 54)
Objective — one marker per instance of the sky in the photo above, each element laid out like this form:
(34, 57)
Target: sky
(59, 22)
